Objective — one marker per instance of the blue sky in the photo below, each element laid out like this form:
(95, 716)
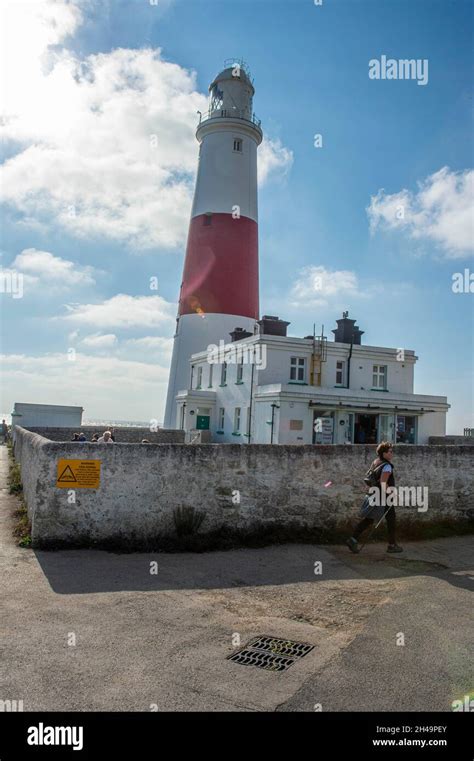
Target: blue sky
(90, 211)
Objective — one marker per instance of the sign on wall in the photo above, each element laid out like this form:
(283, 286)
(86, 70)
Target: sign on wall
(78, 474)
(324, 430)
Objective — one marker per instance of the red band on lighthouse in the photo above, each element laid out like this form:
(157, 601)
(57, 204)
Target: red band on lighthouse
(221, 266)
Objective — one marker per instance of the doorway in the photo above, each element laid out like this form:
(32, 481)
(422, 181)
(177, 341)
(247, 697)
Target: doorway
(365, 429)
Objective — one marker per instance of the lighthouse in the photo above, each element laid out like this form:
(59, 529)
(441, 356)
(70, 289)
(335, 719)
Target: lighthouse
(219, 289)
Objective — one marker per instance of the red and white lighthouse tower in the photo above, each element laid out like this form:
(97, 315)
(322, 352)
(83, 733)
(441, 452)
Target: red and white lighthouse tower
(219, 291)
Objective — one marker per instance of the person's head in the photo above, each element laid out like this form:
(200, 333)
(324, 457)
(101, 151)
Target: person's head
(145, 441)
(107, 435)
(385, 450)
(75, 437)
(95, 437)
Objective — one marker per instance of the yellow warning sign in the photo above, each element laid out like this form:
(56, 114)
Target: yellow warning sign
(78, 474)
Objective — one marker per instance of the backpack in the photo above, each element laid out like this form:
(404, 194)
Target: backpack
(372, 477)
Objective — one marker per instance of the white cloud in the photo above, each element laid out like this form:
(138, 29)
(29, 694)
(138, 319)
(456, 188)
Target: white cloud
(273, 158)
(105, 386)
(441, 211)
(99, 341)
(147, 348)
(123, 311)
(151, 342)
(315, 286)
(85, 132)
(42, 265)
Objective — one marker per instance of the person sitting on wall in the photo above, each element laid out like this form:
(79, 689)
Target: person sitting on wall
(75, 437)
(81, 437)
(383, 471)
(112, 434)
(106, 438)
(95, 438)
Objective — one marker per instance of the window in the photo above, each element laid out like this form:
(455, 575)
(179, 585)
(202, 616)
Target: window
(297, 369)
(240, 372)
(199, 377)
(221, 418)
(339, 373)
(211, 368)
(237, 420)
(247, 422)
(224, 374)
(406, 429)
(237, 145)
(379, 376)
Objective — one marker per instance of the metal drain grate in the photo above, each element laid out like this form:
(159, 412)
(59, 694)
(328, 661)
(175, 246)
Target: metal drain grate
(270, 653)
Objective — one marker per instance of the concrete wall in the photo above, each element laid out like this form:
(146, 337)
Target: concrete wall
(450, 440)
(141, 486)
(123, 434)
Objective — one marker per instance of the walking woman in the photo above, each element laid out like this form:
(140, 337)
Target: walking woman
(381, 472)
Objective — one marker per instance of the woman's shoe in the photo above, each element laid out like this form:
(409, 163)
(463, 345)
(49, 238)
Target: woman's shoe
(394, 548)
(353, 545)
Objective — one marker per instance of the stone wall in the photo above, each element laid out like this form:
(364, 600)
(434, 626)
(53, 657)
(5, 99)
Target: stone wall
(141, 485)
(465, 441)
(122, 434)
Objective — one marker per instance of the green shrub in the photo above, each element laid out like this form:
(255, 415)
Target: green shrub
(14, 478)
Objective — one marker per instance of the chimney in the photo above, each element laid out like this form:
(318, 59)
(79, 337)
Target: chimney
(272, 326)
(239, 333)
(347, 331)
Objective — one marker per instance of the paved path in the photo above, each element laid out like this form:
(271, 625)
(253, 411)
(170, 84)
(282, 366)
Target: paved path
(144, 639)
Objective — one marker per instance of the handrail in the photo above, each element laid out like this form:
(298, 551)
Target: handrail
(230, 63)
(224, 113)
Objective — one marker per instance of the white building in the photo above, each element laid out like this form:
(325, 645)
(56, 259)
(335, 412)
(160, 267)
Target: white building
(278, 389)
(46, 415)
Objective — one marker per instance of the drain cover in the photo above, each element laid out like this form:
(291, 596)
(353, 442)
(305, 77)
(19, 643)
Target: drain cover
(270, 653)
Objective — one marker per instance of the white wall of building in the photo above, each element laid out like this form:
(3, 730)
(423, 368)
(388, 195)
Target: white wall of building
(431, 424)
(400, 374)
(46, 415)
(294, 419)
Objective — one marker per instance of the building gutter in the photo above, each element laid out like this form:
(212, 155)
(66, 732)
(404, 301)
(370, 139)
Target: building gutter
(251, 399)
(349, 366)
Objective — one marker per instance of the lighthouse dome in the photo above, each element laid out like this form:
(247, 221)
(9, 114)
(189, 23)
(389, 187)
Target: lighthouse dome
(232, 91)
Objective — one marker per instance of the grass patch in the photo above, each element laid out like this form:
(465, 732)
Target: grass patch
(15, 485)
(22, 528)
